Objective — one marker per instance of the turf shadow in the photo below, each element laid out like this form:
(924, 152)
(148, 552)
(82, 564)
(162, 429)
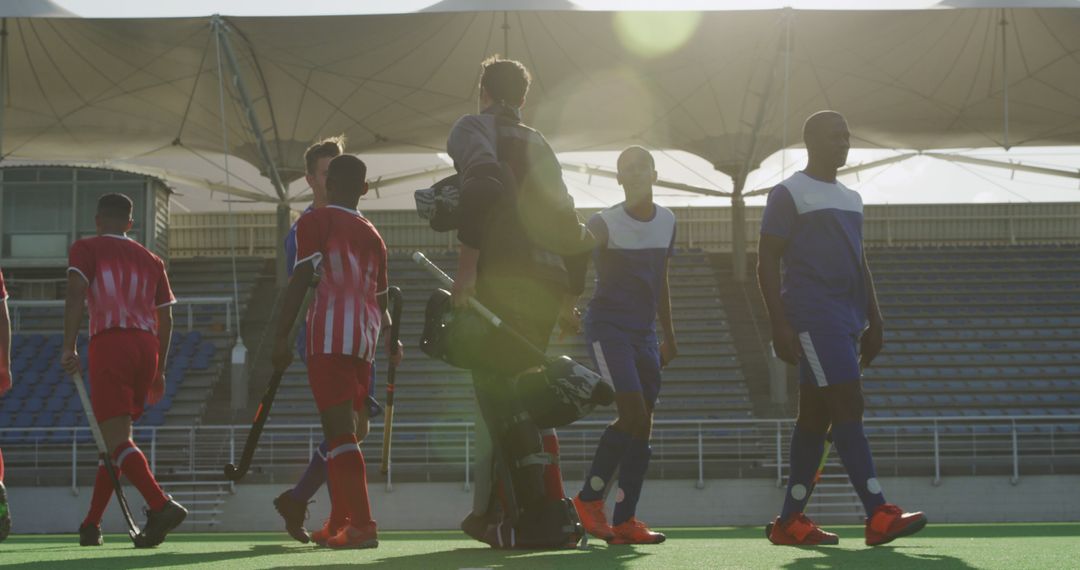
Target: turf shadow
(155, 559)
(591, 557)
(879, 558)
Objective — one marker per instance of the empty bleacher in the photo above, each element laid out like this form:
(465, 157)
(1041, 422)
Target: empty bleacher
(706, 381)
(977, 332)
(43, 396)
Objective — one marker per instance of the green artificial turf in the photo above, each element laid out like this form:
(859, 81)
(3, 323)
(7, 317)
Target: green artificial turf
(1012, 546)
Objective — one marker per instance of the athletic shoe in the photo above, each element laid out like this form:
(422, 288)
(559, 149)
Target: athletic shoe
(325, 533)
(799, 530)
(159, 523)
(633, 531)
(592, 518)
(352, 537)
(294, 512)
(90, 535)
(5, 514)
(890, 522)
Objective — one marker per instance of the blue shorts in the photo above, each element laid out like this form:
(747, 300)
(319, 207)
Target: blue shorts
(630, 362)
(828, 359)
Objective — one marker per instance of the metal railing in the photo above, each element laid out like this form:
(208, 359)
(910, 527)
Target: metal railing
(18, 308)
(682, 449)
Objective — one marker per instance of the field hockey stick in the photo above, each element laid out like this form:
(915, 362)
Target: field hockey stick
(393, 298)
(235, 473)
(817, 474)
(490, 317)
(99, 441)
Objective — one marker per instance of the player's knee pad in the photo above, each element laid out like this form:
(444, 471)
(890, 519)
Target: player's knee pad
(553, 483)
(528, 459)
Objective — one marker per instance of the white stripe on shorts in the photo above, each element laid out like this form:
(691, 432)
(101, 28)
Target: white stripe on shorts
(343, 448)
(812, 359)
(602, 363)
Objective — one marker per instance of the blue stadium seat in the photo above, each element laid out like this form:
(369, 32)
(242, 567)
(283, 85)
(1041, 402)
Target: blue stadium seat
(23, 420)
(10, 405)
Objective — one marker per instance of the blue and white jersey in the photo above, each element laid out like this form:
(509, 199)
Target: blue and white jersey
(290, 243)
(631, 264)
(823, 286)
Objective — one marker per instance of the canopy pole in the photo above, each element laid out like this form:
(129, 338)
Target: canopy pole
(238, 377)
(225, 48)
(788, 15)
(1005, 76)
(506, 35)
(738, 228)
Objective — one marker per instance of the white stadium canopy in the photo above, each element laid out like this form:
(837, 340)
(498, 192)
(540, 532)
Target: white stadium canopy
(731, 86)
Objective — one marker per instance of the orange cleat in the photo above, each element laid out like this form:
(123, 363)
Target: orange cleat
(634, 531)
(327, 532)
(890, 522)
(593, 519)
(799, 530)
(352, 537)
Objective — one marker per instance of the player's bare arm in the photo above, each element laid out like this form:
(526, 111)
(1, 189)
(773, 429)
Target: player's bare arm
(394, 352)
(785, 341)
(669, 348)
(165, 328)
(569, 319)
(873, 340)
(290, 307)
(465, 278)
(73, 314)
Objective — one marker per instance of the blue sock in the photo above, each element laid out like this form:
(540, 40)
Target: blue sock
(631, 477)
(806, 451)
(854, 450)
(314, 477)
(609, 453)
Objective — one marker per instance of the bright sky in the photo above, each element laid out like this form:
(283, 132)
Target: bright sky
(187, 8)
(917, 180)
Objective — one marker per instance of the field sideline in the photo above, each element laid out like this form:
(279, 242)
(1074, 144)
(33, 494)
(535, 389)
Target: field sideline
(1035, 545)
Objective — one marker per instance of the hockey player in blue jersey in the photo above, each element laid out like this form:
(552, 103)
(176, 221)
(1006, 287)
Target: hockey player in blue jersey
(825, 319)
(635, 240)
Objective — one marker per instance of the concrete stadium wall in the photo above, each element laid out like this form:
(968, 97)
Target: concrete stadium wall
(421, 506)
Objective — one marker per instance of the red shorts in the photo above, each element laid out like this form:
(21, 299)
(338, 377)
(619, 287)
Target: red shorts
(338, 378)
(123, 363)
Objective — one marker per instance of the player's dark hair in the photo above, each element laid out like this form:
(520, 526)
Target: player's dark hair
(636, 149)
(347, 173)
(115, 206)
(505, 80)
(326, 148)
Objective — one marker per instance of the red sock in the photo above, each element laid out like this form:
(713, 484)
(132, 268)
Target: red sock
(553, 484)
(133, 464)
(103, 491)
(1, 466)
(346, 464)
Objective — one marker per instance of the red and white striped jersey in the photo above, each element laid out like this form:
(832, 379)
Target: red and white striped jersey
(126, 283)
(344, 317)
